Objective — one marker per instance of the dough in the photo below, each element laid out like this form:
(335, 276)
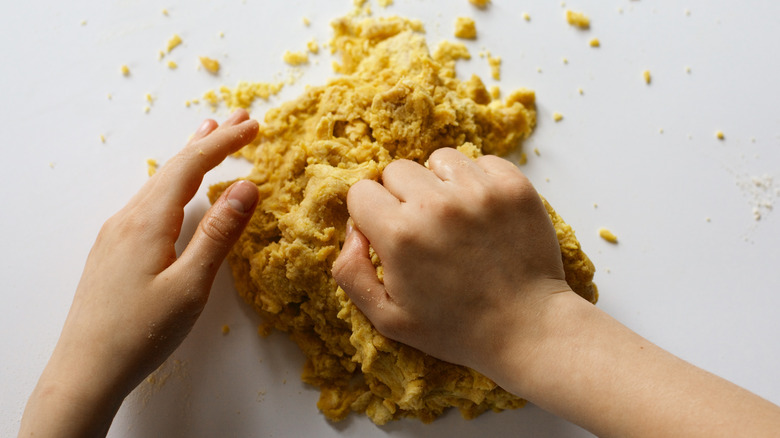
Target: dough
(393, 100)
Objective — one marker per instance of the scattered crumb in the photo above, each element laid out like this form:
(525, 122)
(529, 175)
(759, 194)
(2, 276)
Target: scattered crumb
(495, 66)
(83, 22)
(708, 219)
(687, 12)
(719, 135)
(646, 75)
(607, 235)
(172, 65)
(242, 95)
(761, 191)
(125, 70)
(480, 3)
(149, 98)
(579, 90)
(109, 96)
(565, 61)
(577, 19)
(51, 164)
(313, 46)
(465, 28)
(102, 138)
(160, 55)
(146, 109)
(557, 116)
(526, 16)
(595, 42)
(295, 58)
(384, 3)
(523, 159)
(306, 21)
(225, 329)
(165, 12)
(187, 103)
(151, 166)
(211, 65)
(595, 205)
(536, 151)
(221, 34)
(538, 69)
(688, 70)
(173, 42)
(620, 10)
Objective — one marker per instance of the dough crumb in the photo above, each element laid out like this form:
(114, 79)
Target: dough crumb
(211, 65)
(719, 135)
(225, 329)
(172, 65)
(384, 3)
(165, 12)
(595, 42)
(480, 3)
(151, 166)
(526, 16)
(295, 58)
(465, 28)
(173, 42)
(495, 67)
(608, 235)
(646, 75)
(102, 138)
(125, 70)
(577, 19)
(312, 46)
(306, 21)
(557, 116)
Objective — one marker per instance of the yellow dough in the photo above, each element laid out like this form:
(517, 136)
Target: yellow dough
(393, 100)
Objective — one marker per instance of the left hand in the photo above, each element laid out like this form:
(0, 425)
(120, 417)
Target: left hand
(136, 300)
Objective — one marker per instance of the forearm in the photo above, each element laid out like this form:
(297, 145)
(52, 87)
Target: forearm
(599, 374)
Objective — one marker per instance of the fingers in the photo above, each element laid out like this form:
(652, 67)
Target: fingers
(372, 208)
(355, 273)
(204, 129)
(180, 178)
(406, 179)
(450, 165)
(217, 232)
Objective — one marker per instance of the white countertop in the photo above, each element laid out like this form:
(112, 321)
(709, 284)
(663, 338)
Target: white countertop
(694, 272)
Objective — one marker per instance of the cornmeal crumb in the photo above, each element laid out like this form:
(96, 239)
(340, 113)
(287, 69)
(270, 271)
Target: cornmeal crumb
(595, 42)
(151, 166)
(160, 55)
(565, 60)
(579, 90)
(165, 12)
(211, 65)
(557, 116)
(480, 3)
(465, 28)
(173, 42)
(149, 98)
(146, 109)
(646, 75)
(109, 96)
(225, 329)
(687, 70)
(523, 159)
(384, 3)
(83, 22)
(577, 19)
(495, 67)
(306, 21)
(495, 92)
(125, 70)
(187, 103)
(526, 16)
(295, 58)
(221, 34)
(536, 151)
(172, 65)
(102, 138)
(313, 46)
(719, 135)
(607, 235)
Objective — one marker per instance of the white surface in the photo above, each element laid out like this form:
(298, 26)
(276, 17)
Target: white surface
(705, 290)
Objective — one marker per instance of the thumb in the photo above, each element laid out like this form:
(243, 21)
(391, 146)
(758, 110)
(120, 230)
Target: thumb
(218, 231)
(356, 274)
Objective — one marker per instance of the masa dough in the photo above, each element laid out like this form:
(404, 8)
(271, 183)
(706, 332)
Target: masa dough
(393, 100)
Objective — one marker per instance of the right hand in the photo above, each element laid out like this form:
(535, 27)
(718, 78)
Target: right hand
(469, 254)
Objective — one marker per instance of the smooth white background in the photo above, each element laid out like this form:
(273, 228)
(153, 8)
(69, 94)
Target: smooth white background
(645, 154)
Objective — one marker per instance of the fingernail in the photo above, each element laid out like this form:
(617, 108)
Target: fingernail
(242, 196)
(350, 227)
(203, 127)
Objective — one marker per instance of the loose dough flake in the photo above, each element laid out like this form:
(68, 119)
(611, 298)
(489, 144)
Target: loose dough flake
(393, 100)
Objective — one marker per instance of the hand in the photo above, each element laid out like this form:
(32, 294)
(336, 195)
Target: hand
(468, 251)
(136, 301)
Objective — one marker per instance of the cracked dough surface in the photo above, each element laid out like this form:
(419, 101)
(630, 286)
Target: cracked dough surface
(392, 100)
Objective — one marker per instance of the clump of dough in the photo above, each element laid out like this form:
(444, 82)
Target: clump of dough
(211, 65)
(392, 100)
(465, 28)
(577, 19)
